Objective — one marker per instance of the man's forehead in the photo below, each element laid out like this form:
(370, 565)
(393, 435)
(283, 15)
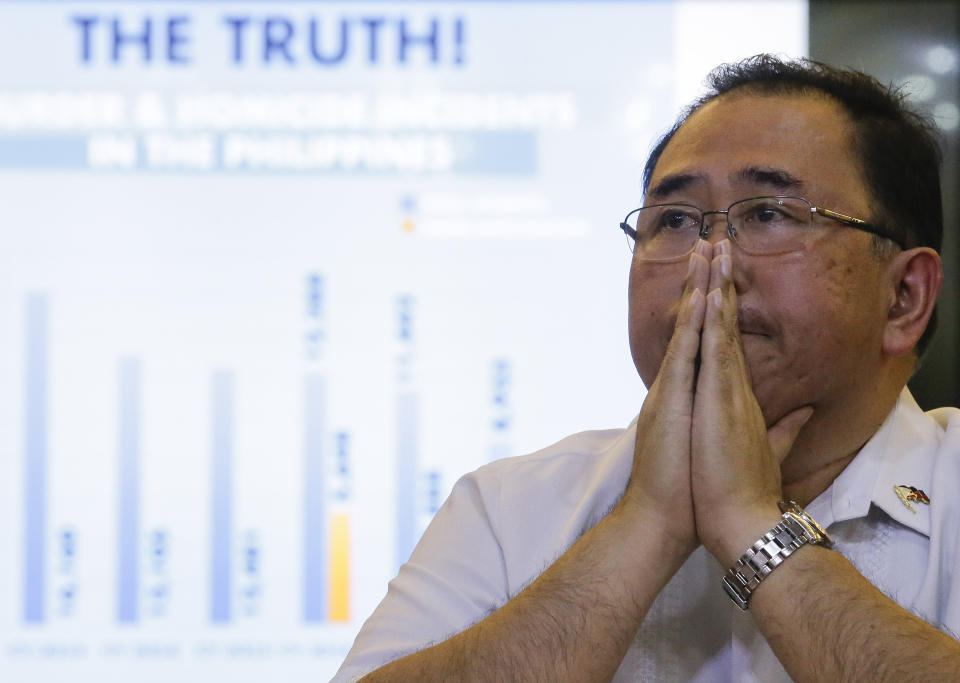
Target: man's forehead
(776, 141)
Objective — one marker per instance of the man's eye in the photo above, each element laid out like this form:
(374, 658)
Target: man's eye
(766, 214)
(676, 220)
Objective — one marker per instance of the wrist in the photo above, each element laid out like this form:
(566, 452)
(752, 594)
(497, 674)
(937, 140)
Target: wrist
(730, 534)
(794, 530)
(644, 529)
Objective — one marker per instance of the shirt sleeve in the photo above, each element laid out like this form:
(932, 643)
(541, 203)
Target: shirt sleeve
(455, 577)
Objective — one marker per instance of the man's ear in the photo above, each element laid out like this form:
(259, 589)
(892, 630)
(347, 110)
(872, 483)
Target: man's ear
(915, 277)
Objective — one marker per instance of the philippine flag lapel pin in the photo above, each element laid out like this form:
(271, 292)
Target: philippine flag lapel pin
(911, 493)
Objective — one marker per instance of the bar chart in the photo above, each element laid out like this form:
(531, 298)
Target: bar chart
(198, 530)
(139, 554)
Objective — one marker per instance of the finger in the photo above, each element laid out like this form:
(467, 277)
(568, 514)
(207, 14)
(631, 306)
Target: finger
(679, 363)
(724, 367)
(785, 431)
(685, 343)
(721, 278)
(698, 271)
(720, 325)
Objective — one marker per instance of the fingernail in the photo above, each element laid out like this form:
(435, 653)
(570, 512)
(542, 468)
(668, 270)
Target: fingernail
(716, 297)
(702, 246)
(723, 247)
(695, 297)
(693, 264)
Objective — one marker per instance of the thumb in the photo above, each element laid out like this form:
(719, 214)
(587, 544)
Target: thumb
(784, 432)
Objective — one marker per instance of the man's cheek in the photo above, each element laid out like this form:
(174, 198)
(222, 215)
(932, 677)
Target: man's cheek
(648, 354)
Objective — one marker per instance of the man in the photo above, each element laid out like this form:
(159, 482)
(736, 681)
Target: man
(776, 337)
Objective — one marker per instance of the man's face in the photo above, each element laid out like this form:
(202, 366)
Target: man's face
(811, 321)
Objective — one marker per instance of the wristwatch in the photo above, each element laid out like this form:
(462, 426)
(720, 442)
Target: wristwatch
(794, 530)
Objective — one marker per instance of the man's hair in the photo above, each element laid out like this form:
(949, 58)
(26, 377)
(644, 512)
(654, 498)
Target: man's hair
(898, 148)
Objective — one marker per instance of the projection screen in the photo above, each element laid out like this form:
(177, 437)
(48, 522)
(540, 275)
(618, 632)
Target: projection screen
(274, 275)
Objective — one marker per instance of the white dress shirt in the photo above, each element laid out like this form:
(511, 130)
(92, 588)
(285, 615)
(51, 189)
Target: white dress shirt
(507, 522)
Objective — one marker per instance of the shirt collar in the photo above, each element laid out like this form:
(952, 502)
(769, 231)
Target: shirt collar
(901, 452)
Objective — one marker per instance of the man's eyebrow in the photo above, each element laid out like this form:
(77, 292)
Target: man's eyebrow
(673, 183)
(756, 175)
(766, 175)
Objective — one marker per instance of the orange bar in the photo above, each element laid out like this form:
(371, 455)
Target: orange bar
(339, 568)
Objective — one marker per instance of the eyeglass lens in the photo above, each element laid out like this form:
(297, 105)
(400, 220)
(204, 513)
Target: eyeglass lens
(760, 225)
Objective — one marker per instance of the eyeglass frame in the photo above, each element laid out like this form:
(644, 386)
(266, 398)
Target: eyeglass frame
(704, 232)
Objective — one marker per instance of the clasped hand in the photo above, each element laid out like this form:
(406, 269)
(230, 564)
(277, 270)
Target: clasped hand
(706, 466)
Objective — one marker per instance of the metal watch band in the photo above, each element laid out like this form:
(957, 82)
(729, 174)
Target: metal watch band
(763, 557)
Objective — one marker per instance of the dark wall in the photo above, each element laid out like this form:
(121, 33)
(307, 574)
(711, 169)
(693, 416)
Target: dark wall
(892, 41)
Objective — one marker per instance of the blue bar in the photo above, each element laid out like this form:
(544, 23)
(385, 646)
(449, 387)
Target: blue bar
(128, 498)
(35, 458)
(67, 151)
(220, 526)
(496, 152)
(314, 514)
(406, 476)
(511, 153)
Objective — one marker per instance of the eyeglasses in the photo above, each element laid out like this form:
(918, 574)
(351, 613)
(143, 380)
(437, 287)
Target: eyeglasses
(759, 225)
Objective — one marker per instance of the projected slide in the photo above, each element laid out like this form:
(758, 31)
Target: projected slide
(273, 276)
